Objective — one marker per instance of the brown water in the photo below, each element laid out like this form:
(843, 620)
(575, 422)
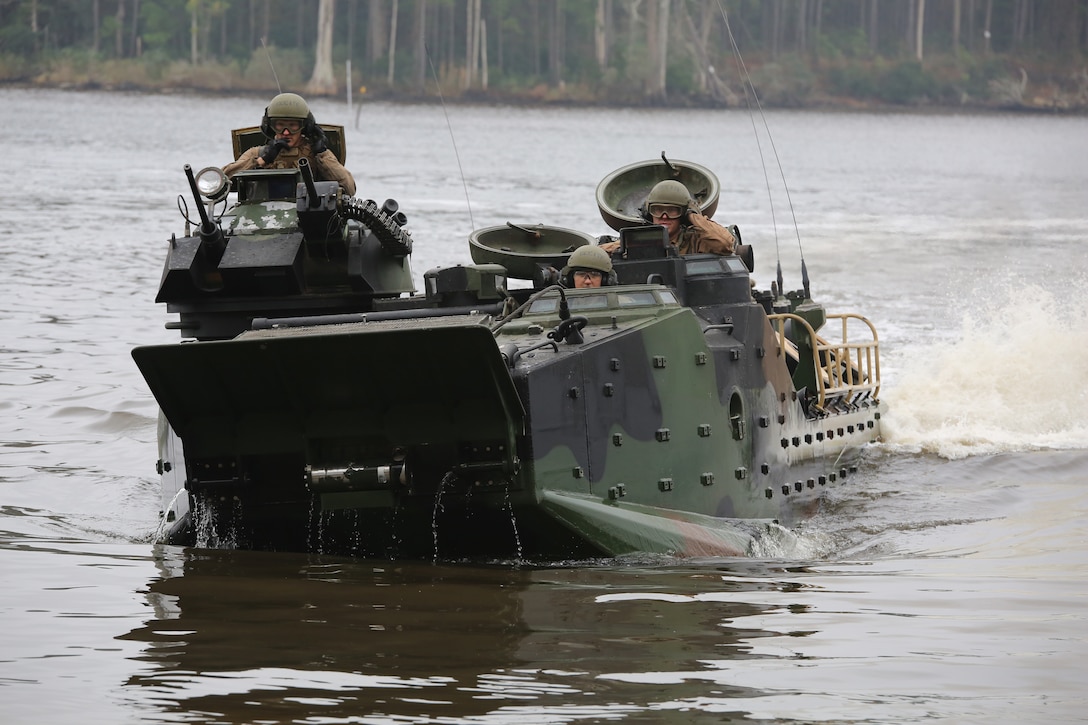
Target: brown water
(946, 582)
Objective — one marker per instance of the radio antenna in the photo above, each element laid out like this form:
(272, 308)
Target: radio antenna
(460, 169)
(750, 96)
(264, 44)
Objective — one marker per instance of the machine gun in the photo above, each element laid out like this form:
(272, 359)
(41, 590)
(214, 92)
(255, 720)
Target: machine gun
(212, 242)
(321, 207)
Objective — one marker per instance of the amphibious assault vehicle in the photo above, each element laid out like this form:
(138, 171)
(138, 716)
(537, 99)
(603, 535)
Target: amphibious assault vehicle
(320, 403)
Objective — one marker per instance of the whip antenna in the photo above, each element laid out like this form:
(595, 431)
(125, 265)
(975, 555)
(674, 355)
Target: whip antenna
(748, 85)
(264, 44)
(442, 101)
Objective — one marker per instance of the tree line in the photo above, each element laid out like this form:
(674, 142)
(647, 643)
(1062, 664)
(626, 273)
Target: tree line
(651, 51)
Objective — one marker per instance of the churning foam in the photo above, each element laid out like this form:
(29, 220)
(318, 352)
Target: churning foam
(1016, 379)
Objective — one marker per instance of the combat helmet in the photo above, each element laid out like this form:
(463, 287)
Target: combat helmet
(589, 257)
(288, 105)
(669, 192)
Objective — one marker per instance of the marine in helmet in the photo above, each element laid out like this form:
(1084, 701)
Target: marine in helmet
(671, 205)
(292, 135)
(588, 266)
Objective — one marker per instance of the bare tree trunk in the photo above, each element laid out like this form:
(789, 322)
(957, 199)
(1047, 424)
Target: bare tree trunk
(352, 12)
(472, 41)
(194, 32)
(657, 39)
(376, 25)
(874, 27)
(119, 32)
(776, 28)
(986, 26)
(919, 27)
(500, 59)
(134, 41)
(267, 19)
(483, 53)
(322, 82)
(600, 29)
(908, 26)
(556, 44)
(392, 42)
(223, 34)
(1082, 41)
(420, 34)
(970, 30)
(1021, 22)
(536, 38)
(706, 77)
(300, 22)
(466, 77)
(802, 26)
(34, 26)
(95, 20)
(450, 45)
(957, 11)
(652, 51)
(1017, 23)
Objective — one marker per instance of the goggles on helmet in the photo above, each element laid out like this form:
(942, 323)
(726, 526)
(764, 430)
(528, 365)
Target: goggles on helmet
(666, 211)
(279, 125)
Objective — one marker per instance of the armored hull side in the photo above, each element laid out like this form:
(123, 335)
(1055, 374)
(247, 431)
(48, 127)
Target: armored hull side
(657, 432)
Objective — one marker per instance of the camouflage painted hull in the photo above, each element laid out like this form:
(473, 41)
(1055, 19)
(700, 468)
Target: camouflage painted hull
(679, 412)
(440, 436)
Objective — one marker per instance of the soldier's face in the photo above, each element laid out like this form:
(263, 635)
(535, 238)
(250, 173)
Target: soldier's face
(586, 278)
(671, 223)
(288, 129)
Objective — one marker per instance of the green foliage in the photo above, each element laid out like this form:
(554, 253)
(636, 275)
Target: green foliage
(853, 79)
(906, 82)
(14, 67)
(788, 82)
(680, 75)
(843, 44)
(161, 27)
(17, 40)
(980, 71)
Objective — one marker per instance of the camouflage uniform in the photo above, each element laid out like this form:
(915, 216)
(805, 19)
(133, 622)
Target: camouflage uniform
(325, 165)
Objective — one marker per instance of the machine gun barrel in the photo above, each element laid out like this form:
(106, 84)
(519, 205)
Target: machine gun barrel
(308, 180)
(207, 227)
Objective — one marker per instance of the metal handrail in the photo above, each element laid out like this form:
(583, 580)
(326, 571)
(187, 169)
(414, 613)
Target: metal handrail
(843, 369)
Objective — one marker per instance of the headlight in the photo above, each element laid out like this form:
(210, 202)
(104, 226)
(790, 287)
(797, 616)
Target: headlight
(212, 183)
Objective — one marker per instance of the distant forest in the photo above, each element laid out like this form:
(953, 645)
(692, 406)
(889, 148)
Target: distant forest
(1005, 53)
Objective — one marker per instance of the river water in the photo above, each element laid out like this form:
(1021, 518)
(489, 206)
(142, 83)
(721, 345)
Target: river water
(947, 582)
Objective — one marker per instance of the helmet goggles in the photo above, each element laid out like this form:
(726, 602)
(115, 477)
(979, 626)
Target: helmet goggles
(280, 125)
(665, 211)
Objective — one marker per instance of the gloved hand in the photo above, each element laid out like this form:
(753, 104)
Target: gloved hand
(692, 210)
(272, 150)
(319, 142)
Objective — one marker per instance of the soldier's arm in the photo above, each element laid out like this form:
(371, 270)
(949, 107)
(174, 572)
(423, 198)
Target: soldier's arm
(333, 170)
(713, 237)
(245, 162)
